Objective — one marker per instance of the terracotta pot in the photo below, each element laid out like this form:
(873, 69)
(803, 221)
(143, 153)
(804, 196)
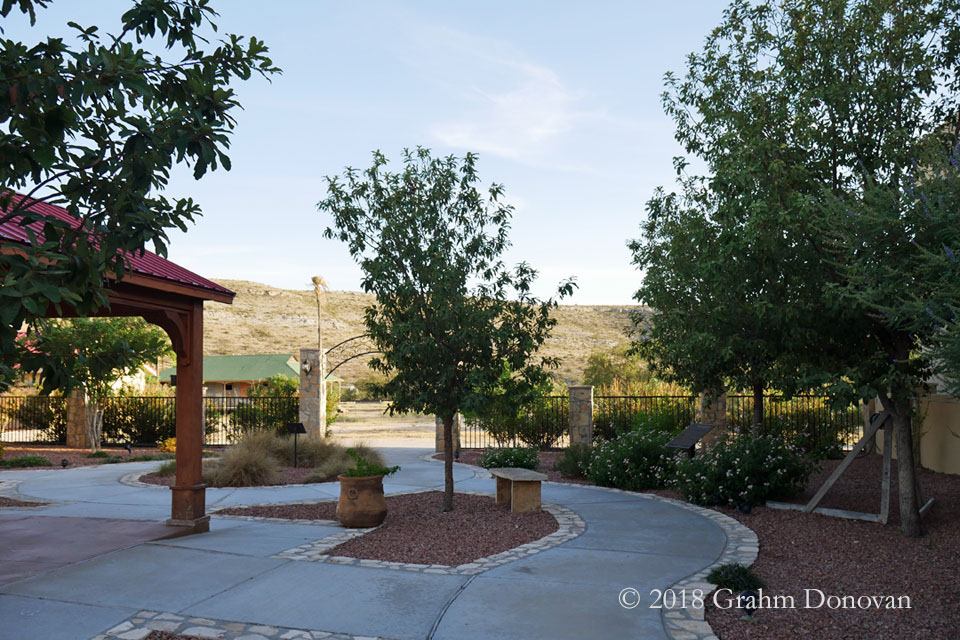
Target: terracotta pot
(361, 502)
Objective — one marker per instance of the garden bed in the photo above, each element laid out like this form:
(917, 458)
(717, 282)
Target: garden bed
(417, 531)
(12, 502)
(285, 475)
(75, 457)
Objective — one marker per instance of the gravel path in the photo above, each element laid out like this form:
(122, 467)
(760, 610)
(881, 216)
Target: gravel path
(417, 531)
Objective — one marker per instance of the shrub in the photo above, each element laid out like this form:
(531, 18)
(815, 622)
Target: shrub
(522, 457)
(540, 423)
(734, 576)
(139, 419)
(168, 445)
(243, 466)
(634, 461)
(744, 469)
(365, 468)
(575, 461)
(47, 415)
(611, 420)
(168, 468)
(25, 461)
(99, 454)
(333, 403)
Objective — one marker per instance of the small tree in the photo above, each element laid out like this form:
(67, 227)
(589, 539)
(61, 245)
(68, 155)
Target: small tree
(95, 353)
(449, 317)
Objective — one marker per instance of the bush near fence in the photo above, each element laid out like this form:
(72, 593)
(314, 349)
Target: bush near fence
(809, 421)
(542, 424)
(34, 419)
(140, 420)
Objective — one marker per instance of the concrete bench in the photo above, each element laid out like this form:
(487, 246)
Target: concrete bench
(519, 488)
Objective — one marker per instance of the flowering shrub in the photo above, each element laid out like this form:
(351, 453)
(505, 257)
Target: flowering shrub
(168, 445)
(521, 457)
(634, 461)
(744, 469)
(575, 461)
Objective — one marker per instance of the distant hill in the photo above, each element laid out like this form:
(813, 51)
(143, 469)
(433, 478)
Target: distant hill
(265, 319)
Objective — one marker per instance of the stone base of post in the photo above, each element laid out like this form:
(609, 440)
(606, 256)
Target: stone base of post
(581, 415)
(439, 441)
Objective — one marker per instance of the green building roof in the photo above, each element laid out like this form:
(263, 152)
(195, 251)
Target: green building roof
(245, 368)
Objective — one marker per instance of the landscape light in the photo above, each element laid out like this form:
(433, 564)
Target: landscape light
(64, 463)
(296, 428)
(747, 601)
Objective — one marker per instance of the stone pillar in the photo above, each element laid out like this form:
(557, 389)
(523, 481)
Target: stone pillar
(713, 410)
(76, 420)
(581, 415)
(313, 393)
(457, 424)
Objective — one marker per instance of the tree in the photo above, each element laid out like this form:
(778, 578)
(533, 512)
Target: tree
(95, 353)
(860, 89)
(449, 317)
(96, 127)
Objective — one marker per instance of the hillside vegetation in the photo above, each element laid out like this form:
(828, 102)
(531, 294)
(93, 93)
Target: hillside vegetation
(265, 319)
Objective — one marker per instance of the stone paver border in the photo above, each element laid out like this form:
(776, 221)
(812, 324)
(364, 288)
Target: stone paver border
(141, 624)
(570, 525)
(8, 489)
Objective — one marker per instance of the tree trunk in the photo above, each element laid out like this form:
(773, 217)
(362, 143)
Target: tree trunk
(757, 407)
(94, 423)
(448, 462)
(906, 473)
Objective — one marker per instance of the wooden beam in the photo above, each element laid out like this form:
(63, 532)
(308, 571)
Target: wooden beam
(825, 511)
(867, 435)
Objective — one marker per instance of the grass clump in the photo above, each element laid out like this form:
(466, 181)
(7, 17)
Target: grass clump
(522, 457)
(167, 469)
(99, 454)
(25, 461)
(734, 576)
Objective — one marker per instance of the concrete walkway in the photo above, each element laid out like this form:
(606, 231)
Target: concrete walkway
(229, 584)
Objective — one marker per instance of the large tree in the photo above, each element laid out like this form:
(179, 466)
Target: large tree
(450, 317)
(96, 353)
(861, 88)
(96, 124)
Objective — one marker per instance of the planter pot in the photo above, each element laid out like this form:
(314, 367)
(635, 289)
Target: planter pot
(361, 502)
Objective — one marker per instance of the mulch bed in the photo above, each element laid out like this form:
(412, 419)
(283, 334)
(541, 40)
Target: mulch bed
(417, 531)
(76, 457)
(10, 502)
(286, 475)
(166, 635)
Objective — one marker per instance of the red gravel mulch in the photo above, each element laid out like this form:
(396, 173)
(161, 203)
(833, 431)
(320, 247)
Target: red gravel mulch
(10, 502)
(417, 531)
(854, 558)
(166, 635)
(286, 475)
(76, 457)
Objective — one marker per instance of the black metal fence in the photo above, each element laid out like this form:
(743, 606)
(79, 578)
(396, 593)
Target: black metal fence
(544, 424)
(143, 420)
(616, 414)
(809, 418)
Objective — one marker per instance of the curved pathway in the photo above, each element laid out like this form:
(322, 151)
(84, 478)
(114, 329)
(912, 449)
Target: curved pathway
(235, 582)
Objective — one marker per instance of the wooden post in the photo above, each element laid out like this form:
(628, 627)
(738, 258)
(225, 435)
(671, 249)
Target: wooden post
(189, 492)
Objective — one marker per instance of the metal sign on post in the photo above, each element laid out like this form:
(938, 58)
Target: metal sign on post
(295, 428)
(689, 437)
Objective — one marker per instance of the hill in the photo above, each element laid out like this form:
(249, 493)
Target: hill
(265, 319)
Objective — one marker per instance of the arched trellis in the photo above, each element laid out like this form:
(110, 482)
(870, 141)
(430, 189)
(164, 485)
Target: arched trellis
(342, 346)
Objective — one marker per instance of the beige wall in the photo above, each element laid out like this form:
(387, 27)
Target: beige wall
(940, 442)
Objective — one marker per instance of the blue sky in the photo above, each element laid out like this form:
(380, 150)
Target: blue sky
(561, 100)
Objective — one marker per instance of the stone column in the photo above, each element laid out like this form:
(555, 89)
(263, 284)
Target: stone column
(76, 420)
(457, 424)
(581, 415)
(313, 396)
(713, 410)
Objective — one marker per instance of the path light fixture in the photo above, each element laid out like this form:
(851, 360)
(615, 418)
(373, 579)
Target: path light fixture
(296, 428)
(64, 463)
(748, 600)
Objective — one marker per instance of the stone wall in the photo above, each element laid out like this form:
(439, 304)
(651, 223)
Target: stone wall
(581, 415)
(76, 420)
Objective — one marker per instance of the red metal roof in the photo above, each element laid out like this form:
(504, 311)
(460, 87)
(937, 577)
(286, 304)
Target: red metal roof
(146, 263)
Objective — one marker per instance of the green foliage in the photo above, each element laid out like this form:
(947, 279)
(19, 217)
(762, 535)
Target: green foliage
(47, 415)
(139, 420)
(735, 577)
(365, 468)
(575, 461)
(278, 386)
(450, 319)
(333, 403)
(539, 422)
(521, 457)
(25, 461)
(264, 414)
(167, 469)
(744, 469)
(634, 461)
(96, 123)
(612, 419)
(99, 454)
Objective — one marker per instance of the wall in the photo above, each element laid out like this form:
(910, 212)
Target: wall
(940, 429)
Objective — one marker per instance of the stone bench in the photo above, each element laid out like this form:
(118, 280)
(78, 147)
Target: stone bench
(519, 488)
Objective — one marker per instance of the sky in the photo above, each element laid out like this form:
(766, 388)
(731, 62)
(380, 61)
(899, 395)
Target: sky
(560, 100)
